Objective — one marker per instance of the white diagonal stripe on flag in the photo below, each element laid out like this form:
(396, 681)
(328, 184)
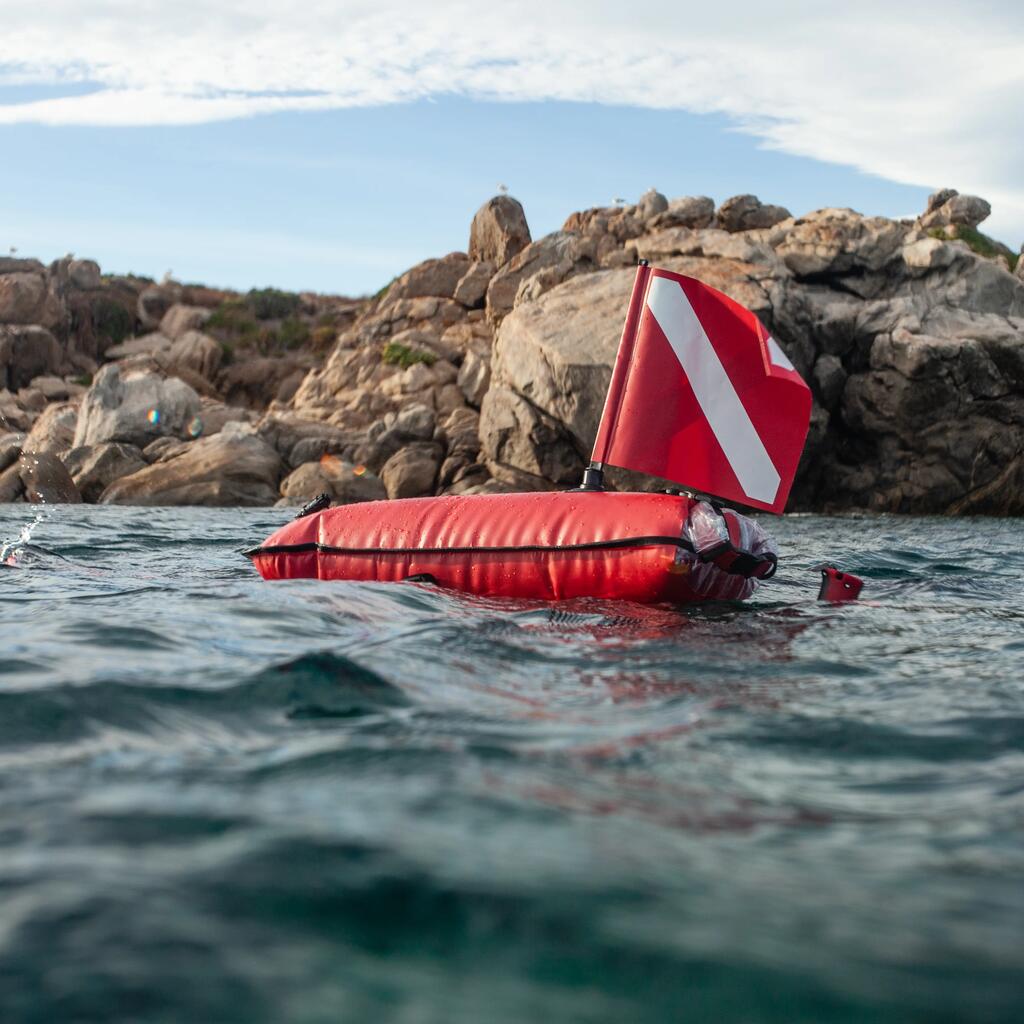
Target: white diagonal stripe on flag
(715, 394)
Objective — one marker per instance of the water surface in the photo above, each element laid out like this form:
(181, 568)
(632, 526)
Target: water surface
(228, 800)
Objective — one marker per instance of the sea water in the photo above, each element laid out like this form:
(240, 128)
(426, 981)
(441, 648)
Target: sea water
(229, 800)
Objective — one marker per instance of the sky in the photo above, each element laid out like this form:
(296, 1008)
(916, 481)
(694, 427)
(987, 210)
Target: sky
(243, 144)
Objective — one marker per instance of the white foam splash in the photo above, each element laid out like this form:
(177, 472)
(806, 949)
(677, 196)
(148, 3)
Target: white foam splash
(10, 548)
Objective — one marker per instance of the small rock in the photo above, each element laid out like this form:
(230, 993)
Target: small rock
(437, 278)
(94, 469)
(46, 480)
(652, 202)
(54, 431)
(10, 449)
(747, 212)
(964, 211)
(147, 345)
(412, 471)
(53, 389)
(181, 318)
(462, 429)
(475, 377)
(415, 423)
(687, 212)
(499, 231)
(11, 487)
(197, 352)
(830, 378)
(27, 352)
(472, 286)
(85, 274)
(153, 304)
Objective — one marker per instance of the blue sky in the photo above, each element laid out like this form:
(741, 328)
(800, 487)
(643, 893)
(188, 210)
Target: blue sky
(237, 147)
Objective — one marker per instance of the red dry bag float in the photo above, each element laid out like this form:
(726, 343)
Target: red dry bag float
(699, 394)
(549, 546)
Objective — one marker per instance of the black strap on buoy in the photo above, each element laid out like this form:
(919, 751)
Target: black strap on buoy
(318, 504)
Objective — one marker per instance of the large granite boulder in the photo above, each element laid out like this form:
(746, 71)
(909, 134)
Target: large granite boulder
(947, 207)
(234, 467)
(412, 471)
(344, 483)
(197, 352)
(135, 407)
(180, 318)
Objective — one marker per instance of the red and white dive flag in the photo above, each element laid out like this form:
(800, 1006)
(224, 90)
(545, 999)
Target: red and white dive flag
(702, 395)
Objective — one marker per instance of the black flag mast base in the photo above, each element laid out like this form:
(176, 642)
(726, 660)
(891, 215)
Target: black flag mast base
(593, 478)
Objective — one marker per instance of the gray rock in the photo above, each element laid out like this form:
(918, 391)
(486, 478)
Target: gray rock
(149, 344)
(475, 376)
(230, 468)
(346, 484)
(27, 352)
(462, 431)
(135, 408)
(11, 487)
(26, 298)
(197, 352)
(651, 203)
(438, 277)
(499, 231)
(10, 448)
(94, 469)
(555, 256)
(163, 448)
(686, 212)
(412, 471)
(84, 274)
(54, 431)
(515, 433)
(181, 318)
(829, 380)
(153, 304)
(46, 480)
(472, 286)
(965, 211)
(747, 212)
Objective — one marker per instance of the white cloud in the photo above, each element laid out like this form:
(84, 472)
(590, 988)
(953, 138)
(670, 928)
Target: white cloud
(921, 93)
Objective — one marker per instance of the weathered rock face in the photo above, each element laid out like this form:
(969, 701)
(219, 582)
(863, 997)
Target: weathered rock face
(27, 298)
(10, 449)
(412, 471)
(346, 484)
(197, 352)
(747, 212)
(135, 408)
(432, 277)
(27, 352)
(181, 318)
(94, 469)
(46, 481)
(54, 431)
(949, 207)
(231, 468)
(499, 231)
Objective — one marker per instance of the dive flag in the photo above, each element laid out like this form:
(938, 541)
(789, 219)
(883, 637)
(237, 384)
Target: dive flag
(702, 395)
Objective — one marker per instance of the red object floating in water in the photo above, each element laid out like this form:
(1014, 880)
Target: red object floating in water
(549, 546)
(837, 586)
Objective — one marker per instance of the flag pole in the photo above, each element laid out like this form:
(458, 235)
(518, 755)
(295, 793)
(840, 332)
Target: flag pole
(593, 475)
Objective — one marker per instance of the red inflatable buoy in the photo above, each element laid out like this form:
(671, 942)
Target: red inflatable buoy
(549, 546)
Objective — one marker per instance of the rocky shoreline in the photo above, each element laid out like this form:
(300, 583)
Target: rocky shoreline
(486, 370)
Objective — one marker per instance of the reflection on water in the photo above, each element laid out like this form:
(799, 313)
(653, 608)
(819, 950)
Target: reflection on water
(222, 799)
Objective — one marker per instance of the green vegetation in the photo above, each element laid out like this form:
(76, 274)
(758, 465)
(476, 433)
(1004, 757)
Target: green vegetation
(293, 333)
(234, 318)
(85, 380)
(111, 320)
(405, 356)
(272, 303)
(381, 292)
(977, 242)
(324, 337)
